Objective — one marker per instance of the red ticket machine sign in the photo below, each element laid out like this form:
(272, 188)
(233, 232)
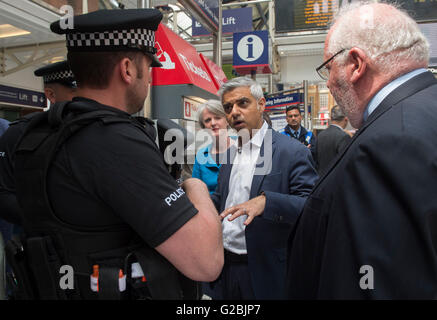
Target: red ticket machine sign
(181, 62)
(191, 109)
(187, 113)
(215, 72)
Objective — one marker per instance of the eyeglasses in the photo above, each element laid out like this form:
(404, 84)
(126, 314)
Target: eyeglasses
(323, 71)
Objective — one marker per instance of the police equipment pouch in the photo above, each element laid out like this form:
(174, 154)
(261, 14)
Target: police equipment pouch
(164, 282)
(45, 264)
(19, 281)
(35, 265)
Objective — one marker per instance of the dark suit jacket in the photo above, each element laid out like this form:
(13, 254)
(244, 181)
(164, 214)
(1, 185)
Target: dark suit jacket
(286, 187)
(377, 207)
(302, 138)
(330, 143)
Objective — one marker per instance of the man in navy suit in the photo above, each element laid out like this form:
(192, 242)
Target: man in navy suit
(260, 193)
(369, 228)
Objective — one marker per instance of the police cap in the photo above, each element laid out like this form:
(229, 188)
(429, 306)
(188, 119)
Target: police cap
(58, 72)
(112, 30)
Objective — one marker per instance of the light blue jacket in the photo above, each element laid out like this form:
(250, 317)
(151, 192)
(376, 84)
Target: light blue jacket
(206, 169)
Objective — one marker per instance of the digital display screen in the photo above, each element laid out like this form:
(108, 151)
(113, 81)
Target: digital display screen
(304, 14)
(299, 15)
(420, 10)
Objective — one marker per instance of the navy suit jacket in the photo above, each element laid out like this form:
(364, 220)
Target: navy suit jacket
(369, 227)
(286, 187)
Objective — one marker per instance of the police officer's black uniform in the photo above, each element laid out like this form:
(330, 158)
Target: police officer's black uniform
(58, 72)
(106, 198)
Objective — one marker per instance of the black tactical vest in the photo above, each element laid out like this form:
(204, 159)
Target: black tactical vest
(50, 243)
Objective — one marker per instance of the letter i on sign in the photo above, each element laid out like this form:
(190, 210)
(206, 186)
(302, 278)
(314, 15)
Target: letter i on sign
(249, 48)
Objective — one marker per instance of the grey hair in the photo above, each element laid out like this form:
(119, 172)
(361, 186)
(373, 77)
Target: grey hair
(213, 106)
(255, 88)
(337, 114)
(388, 40)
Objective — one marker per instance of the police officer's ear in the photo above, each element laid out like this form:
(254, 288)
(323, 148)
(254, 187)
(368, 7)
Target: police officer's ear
(50, 94)
(127, 70)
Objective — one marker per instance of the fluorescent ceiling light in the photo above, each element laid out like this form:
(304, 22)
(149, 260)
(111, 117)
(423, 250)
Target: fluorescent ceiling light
(7, 30)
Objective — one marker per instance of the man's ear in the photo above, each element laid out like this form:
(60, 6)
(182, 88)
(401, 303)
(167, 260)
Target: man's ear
(262, 104)
(50, 94)
(357, 64)
(127, 70)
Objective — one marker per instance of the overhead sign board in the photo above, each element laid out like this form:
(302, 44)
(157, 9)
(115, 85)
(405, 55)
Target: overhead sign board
(210, 9)
(234, 20)
(181, 62)
(251, 52)
(282, 101)
(22, 97)
(279, 121)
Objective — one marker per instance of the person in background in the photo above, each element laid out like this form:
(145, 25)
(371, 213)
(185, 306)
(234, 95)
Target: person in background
(209, 159)
(59, 82)
(59, 85)
(331, 141)
(295, 130)
(369, 227)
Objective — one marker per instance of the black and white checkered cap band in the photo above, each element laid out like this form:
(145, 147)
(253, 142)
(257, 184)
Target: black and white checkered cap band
(118, 38)
(56, 76)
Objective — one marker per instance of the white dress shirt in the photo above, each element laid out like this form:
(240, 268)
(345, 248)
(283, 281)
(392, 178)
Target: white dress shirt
(240, 183)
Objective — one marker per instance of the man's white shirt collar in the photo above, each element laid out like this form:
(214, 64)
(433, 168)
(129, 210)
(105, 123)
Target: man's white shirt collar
(258, 138)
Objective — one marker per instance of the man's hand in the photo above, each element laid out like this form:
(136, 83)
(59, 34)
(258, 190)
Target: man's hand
(252, 208)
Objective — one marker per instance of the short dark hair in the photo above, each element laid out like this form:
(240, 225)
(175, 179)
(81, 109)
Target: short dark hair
(289, 108)
(94, 69)
(337, 114)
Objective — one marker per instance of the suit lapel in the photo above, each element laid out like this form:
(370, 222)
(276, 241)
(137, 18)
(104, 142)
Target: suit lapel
(407, 89)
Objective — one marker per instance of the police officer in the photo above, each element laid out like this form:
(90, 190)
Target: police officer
(295, 130)
(59, 82)
(108, 196)
(59, 85)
